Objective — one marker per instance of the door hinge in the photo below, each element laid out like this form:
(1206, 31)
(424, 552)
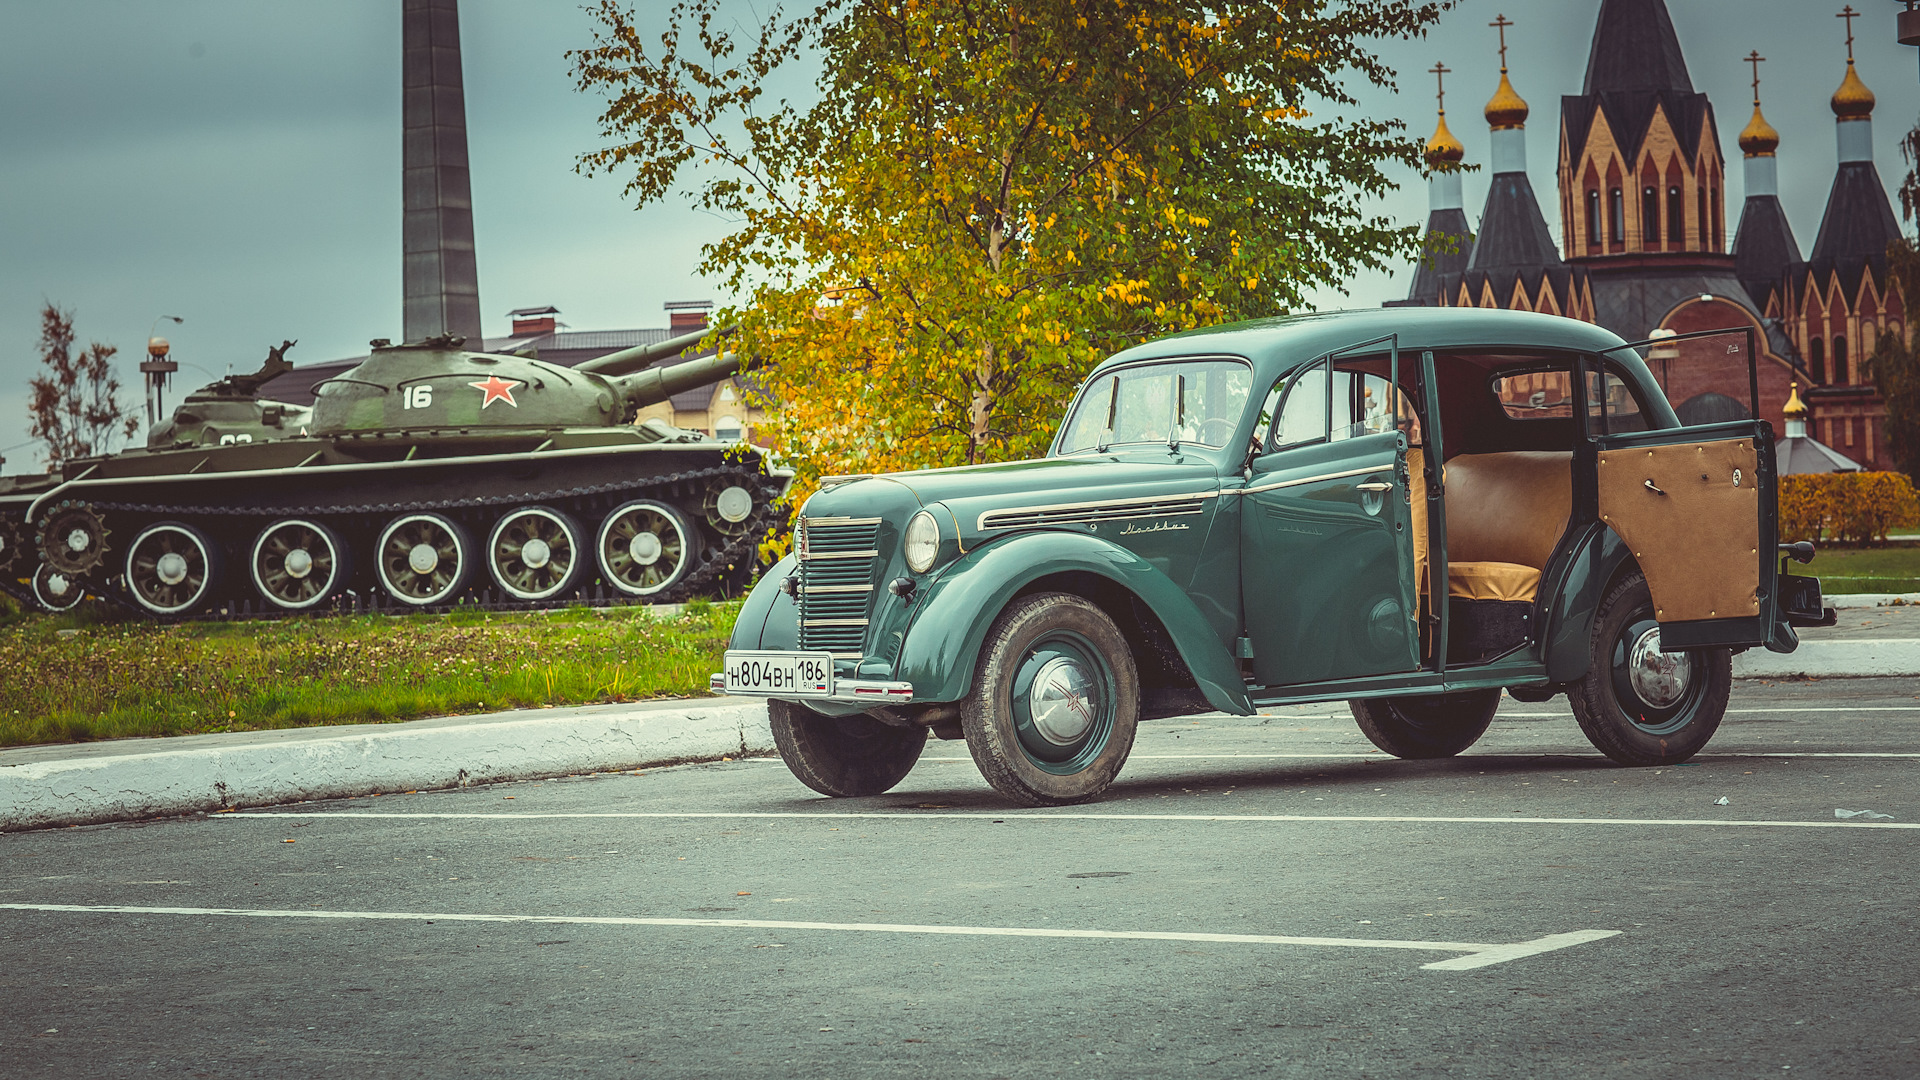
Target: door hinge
(1243, 648)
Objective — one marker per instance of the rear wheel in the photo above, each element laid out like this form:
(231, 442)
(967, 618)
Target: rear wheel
(298, 565)
(1430, 726)
(535, 553)
(1637, 704)
(1055, 701)
(172, 569)
(424, 559)
(645, 548)
(843, 756)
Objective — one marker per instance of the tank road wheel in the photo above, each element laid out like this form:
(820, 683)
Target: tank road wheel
(1432, 726)
(843, 756)
(646, 548)
(727, 508)
(297, 565)
(1641, 706)
(1055, 701)
(73, 539)
(172, 568)
(534, 553)
(55, 590)
(424, 559)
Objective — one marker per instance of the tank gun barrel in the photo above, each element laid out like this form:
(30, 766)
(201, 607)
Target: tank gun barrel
(640, 356)
(643, 388)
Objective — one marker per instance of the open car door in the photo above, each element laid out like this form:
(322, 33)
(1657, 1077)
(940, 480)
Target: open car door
(1696, 505)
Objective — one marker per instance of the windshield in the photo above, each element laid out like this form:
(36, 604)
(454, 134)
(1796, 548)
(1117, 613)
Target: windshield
(1196, 402)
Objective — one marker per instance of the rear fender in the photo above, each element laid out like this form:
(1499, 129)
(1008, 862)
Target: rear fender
(1596, 559)
(942, 645)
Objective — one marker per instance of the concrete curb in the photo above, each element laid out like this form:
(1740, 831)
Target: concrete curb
(140, 778)
(1870, 599)
(1832, 659)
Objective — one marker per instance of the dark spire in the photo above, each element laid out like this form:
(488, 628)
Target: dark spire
(1635, 49)
(1445, 227)
(1859, 222)
(1513, 232)
(1764, 247)
(441, 280)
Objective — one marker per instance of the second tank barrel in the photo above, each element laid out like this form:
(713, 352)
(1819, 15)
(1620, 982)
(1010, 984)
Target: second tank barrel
(655, 384)
(640, 356)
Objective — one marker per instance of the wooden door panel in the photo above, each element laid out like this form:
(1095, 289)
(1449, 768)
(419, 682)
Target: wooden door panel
(1690, 513)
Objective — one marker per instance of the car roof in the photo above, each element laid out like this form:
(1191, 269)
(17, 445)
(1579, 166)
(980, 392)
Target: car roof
(1291, 339)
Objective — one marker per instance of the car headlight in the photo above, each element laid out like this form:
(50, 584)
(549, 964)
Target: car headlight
(922, 543)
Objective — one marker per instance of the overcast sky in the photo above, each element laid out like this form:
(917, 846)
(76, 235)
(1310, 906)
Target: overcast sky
(237, 162)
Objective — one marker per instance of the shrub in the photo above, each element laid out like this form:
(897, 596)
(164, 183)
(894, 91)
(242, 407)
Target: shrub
(1852, 508)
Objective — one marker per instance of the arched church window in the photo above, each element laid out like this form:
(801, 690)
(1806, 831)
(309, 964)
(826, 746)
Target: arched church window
(1840, 361)
(1676, 216)
(1593, 216)
(1817, 359)
(1650, 215)
(1700, 191)
(1617, 206)
(1719, 229)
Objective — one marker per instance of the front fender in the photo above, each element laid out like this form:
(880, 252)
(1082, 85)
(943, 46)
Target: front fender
(942, 644)
(756, 628)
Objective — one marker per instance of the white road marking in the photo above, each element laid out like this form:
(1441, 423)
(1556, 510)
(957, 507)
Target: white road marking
(1479, 955)
(1353, 755)
(1017, 816)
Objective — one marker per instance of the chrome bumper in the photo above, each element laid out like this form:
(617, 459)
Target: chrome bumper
(880, 693)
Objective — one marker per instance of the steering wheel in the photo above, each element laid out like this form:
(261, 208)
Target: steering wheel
(1215, 431)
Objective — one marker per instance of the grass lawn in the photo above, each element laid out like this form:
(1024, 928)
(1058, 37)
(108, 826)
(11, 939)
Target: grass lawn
(71, 677)
(1893, 568)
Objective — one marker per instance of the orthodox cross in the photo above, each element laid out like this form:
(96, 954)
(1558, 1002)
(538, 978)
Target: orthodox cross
(1756, 60)
(1849, 14)
(1502, 22)
(1439, 71)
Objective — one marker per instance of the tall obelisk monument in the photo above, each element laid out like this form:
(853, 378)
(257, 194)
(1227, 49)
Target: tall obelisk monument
(442, 280)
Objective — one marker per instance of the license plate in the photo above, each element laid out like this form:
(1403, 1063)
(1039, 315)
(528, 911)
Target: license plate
(780, 674)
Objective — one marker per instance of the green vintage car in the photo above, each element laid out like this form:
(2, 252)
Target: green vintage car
(1409, 509)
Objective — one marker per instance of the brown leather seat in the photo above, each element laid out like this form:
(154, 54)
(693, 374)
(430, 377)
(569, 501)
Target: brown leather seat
(1505, 513)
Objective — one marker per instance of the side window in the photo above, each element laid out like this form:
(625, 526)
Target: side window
(1541, 394)
(1611, 392)
(1363, 405)
(1303, 410)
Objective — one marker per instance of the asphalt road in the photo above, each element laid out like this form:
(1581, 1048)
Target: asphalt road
(1781, 947)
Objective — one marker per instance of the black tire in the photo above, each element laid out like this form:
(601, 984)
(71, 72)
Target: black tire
(1667, 713)
(1428, 726)
(1071, 752)
(843, 756)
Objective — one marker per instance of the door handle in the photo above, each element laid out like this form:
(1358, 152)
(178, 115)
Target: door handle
(1373, 487)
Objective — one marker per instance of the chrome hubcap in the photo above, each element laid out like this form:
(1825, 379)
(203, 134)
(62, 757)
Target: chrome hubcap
(78, 540)
(1060, 701)
(1659, 678)
(299, 563)
(171, 568)
(535, 553)
(423, 558)
(645, 548)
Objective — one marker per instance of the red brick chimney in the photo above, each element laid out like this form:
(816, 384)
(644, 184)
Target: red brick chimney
(532, 321)
(686, 316)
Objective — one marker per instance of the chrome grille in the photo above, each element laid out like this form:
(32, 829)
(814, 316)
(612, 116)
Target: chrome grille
(838, 559)
(1026, 517)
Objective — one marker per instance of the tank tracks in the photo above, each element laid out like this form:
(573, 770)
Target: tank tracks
(722, 568)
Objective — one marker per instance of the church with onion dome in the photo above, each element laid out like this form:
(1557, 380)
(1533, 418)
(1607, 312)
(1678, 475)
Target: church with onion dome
(1644, 249)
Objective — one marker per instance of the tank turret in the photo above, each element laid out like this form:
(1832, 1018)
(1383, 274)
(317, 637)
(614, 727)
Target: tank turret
(231, 411)
(435, 385)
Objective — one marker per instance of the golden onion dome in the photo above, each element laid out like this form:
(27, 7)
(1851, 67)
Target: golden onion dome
(1507, 109)
(1853, 101)
(1758, 139)
(1443, 150)
(1795, 408)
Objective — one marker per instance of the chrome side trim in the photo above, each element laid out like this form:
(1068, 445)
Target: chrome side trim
(1309, 480)
(1097, 510)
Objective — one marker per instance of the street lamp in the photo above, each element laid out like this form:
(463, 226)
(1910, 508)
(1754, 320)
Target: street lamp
(157, 368)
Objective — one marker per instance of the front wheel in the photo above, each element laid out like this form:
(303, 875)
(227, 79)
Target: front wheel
(1637, 704)
(843, 756)
(1055, 701)
(1432, 726)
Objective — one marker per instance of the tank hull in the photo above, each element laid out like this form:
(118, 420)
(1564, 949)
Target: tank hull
(533, 518)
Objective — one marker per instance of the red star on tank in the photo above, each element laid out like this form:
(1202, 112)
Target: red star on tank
(497, 389)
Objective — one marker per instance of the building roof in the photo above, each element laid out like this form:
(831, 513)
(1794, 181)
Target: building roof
(1513, 232)
(1804, 454)
(1859, 222)
(1436, 266)
(1763, 248)
(1635, 50)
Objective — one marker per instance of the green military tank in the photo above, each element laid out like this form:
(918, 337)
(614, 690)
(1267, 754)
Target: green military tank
(426, 477)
